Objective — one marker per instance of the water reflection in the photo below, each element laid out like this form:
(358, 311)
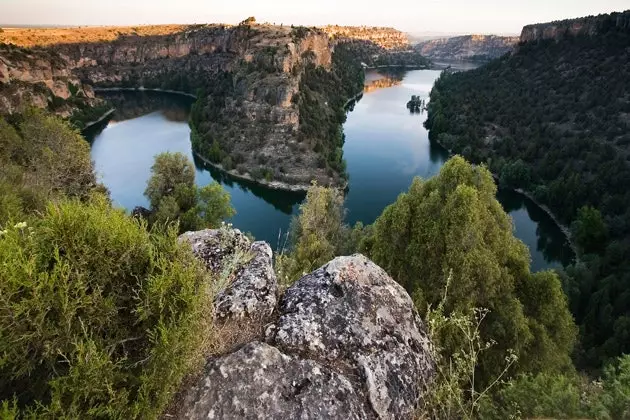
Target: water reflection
(548, 245)
(385, 148)
(284, 201)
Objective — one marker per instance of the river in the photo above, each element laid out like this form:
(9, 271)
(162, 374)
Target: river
(386, 146)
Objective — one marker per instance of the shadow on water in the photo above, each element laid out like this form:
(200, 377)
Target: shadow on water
(385, 148)
(283, 201)
(537, 230)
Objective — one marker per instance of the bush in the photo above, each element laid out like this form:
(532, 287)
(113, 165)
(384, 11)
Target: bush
(99, 318)
(564, 396)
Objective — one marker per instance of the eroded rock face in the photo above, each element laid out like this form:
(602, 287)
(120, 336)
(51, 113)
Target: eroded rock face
(348, 343)
(351, 313)
(248, 268)
(468, 47)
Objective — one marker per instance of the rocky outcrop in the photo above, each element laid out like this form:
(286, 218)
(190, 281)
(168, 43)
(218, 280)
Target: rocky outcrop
(251, 287)
(346, 343)
(587, 26)
(469, 47)
(350, 313)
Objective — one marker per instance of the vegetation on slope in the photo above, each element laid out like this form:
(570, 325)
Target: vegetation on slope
(502, 335)
(100, 317)
(553, 120)
(320, 103)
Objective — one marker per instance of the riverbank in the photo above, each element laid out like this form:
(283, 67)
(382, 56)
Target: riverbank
(101, 119)
(274, 185)
(143, 89)
(354, 98)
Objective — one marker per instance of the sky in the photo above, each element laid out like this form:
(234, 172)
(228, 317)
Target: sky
(414, 16)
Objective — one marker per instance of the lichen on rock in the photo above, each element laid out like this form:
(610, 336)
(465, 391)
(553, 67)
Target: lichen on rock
(247, 268)
(347, 341)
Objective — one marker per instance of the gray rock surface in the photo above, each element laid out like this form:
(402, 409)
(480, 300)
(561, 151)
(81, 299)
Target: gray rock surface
(351, 314)
(248, 268)
(348, 343)
(259, 382)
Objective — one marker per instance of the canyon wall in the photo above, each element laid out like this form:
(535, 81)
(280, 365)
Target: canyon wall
(258, 69)
(589, 26)
(42, 79)
(480, 47)
(388, 38)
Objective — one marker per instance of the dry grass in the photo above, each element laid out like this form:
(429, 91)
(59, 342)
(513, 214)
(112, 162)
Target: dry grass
(29, 37)
(224, 338)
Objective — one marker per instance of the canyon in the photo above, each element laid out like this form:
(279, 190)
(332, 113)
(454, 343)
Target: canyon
(269, 98)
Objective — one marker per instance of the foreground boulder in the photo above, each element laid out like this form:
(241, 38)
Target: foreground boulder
(260, 382)
(351, 314)
(246, 268)
(347, 343)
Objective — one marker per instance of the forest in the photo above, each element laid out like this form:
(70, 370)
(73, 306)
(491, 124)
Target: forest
(553, 119)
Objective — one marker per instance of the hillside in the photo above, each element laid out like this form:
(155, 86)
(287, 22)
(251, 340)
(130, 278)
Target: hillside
(553, 119)
(468, 47)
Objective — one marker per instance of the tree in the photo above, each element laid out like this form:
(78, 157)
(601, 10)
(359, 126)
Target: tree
(589, 230)
(214, 204)
(174, 197)
(170, 171)
(453, 226)
(315, 233)
(318, 234)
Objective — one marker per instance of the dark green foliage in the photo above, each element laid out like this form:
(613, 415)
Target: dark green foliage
(207, 121)
(174, 197)
(83, 115)
(564, 396)
(553, 119)
(452, 226)
(589, 230)
(98, 317)
(299, 32)
(321, 125)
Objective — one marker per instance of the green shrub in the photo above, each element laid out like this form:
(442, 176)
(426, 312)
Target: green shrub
(99, 318)
(564, 396)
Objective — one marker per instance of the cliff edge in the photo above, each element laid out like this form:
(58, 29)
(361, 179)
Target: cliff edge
(588, 26)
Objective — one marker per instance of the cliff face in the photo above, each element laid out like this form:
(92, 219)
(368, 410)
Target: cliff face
(249, 76)
(40, 78)
(467, 47)
(388, 38)
(589, 26)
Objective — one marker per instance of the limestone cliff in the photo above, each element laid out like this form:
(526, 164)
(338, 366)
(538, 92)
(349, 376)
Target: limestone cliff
(388, 38)
(247, 118)
(345, 341)
(43, 79)
(589, 26)
(469, 47)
